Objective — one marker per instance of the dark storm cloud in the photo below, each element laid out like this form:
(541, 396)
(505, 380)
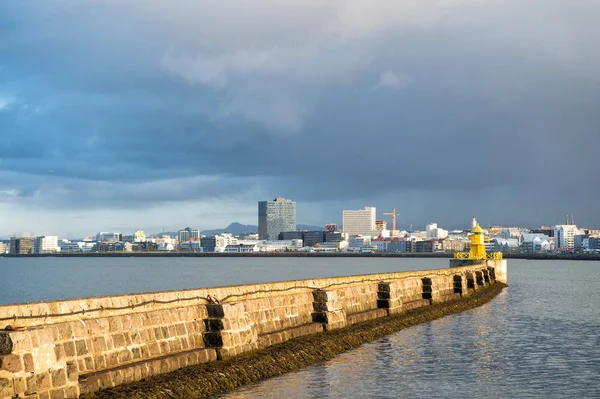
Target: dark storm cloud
(340, 103)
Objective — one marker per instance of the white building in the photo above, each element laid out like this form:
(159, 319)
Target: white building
(223, 240)
(504, 245)
(45, 245)
(358, 242)
(535, 243)
(359, 222)
(433, 231)
(165, 243)
(241, 248)
(69, 246)
(139, 236)
(107, 237)
(279, 245)
(564, 236)
(193, 246)
(511, 232)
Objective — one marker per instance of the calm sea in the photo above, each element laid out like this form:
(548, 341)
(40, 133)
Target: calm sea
(539, 338)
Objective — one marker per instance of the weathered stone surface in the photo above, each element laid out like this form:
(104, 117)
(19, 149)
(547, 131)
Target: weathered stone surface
(366, 315)
(6, 344)
(6, 388)
(20, 385)
(59, 377)
(11, 363)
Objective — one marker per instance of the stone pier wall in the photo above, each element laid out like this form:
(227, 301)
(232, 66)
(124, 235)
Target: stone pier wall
(62, 349)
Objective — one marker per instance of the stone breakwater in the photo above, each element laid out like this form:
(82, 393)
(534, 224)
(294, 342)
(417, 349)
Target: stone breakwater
(78, 347)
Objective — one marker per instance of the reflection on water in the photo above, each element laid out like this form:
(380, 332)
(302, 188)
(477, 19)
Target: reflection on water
(538, 338)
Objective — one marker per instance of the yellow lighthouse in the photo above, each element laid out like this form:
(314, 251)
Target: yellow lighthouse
(477, 251)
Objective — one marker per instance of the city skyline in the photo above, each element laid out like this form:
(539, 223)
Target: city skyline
(115, 116)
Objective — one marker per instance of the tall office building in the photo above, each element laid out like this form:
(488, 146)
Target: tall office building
(275, 217)
(359, 222)
(189, 234)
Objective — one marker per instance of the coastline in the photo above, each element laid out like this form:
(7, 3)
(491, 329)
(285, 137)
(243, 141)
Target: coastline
(539, 256)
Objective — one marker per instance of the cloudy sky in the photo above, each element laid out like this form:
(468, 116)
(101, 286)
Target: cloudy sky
(157, 115)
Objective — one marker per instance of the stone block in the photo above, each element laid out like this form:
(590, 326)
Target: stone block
(99, 344)
(20, 385)
(69, 347)
(58, 394)
(81, 347)
(11, 363)
(32, 385)
(72, 373)
(6, 344)
(59, 377)
(335, 320)
(21, 341)
(72, 392)
(60, 353)
(325, 296)
(395, 310)
(325, 306)
(28, 363)
(43, 380)
(118, 340)
(6, 388)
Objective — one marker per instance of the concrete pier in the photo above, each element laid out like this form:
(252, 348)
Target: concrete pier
(62, 349)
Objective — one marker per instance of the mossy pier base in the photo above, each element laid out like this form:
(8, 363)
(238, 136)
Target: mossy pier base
(196, 343)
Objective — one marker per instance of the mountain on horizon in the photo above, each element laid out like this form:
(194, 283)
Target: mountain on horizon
(236, 228)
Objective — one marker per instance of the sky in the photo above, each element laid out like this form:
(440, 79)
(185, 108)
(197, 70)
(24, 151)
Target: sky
(157, 115)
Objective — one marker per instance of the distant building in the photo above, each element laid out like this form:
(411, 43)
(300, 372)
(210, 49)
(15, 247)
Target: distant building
(397, 245)
(331, 227)
(359, 222)
(291, 235)
(241, 248)
(535, 243)
(332, 236)
(380, 225)
(108, 237)
(359, 242)
(164, 243)
(275, 217)
(564, 236)
(189, 234)
(511, 232)
(139, 236)
(69, 246)
(594, 244)
(45, 245)
(310, 238)
(191, 246)
(279, 245)
(505, 245)
(433, 231)
(3, 248)
(20, 245)
(454, 245)
(208, 244)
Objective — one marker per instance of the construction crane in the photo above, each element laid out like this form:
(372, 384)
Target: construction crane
(393, 214)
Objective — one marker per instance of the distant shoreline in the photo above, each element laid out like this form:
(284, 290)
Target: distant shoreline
(593, 257)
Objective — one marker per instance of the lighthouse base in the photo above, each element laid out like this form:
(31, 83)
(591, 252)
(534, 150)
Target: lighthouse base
(500, 266)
